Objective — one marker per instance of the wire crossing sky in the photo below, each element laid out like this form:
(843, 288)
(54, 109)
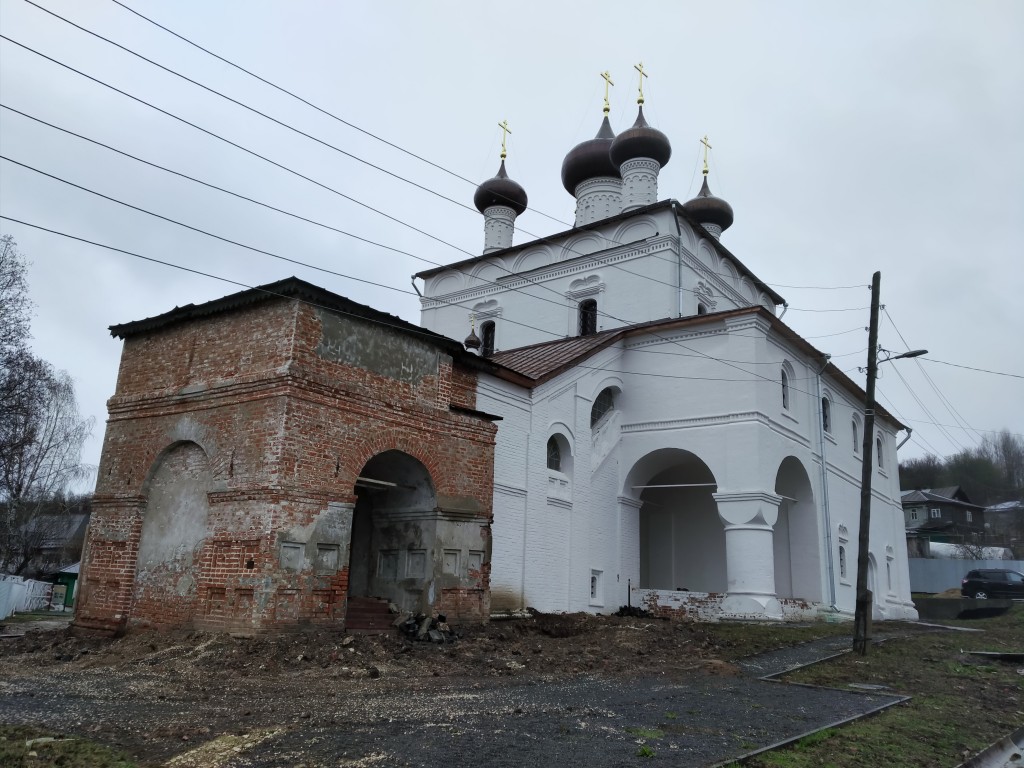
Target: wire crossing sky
(873, 139)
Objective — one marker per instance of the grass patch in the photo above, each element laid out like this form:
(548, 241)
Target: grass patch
(645, 751)
(945, 683)
(18, 743)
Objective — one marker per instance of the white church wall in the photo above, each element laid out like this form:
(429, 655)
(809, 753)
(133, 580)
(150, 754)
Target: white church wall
(637, 266)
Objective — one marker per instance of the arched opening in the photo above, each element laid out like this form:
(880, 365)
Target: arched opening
(554, 454)
(604, 403)
(826, 414)
(681, 537)
(878, 452)
(795, 535)
(174, 528)
(588, 317)
(487, 338)
(393, 531)
(701, 309)
(785, 389)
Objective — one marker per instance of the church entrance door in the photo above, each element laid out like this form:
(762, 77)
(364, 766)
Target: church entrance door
(393, 532)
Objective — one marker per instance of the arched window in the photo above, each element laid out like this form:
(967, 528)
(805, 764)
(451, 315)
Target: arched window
(603, 404)
(878, 450)
(701, 309)
(856, 434)
(554, 454)
(826, 415)
(487, 338)
(842, 562)
(785, 389)
(588, 317)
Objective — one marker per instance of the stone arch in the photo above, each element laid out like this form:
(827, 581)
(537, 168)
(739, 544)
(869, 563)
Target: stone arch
(393, 532)
(174, 528)
(581, 246)
(706, 254)
(535, 258)
(795, 535)
(681, 539)
(394, 440)
(447, 282)
(489, 271)
(636, 229)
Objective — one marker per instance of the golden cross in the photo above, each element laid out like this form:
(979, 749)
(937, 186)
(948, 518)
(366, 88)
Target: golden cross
(607, 81)
(640, 68)
(707, 146)
(504, 132)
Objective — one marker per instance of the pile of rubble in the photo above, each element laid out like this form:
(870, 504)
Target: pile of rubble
(427, 629)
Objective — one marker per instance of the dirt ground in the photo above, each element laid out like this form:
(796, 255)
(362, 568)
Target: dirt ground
(325, 698)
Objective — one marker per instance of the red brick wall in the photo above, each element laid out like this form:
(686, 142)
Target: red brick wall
(286, 429)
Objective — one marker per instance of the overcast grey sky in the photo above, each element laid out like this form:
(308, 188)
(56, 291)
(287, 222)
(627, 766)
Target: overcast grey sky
(848, 137)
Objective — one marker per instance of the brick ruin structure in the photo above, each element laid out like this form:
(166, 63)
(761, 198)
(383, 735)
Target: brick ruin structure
(276, 455)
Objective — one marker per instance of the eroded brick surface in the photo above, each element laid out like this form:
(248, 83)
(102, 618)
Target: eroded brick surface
(228, 478)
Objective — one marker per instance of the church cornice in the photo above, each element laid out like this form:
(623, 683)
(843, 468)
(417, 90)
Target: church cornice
(574, 266)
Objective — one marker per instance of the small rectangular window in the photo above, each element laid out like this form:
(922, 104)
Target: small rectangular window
(842, 562)
(327, 557)
(969, 515)
(387, 564)
(416, 564)
(292, 555)
(935, 513)
(451, 561)
(596, 590)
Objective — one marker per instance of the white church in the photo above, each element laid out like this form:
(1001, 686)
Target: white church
(679, 447)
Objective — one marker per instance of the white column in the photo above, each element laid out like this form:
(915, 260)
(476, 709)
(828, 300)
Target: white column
(749, 518)
(499, 225)
(629, 547)
(639, 182)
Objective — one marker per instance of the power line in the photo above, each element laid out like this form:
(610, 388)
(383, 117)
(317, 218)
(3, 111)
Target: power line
(970, 368)
(210, 133)
(329, 114)
(310, 104)
(942, 398)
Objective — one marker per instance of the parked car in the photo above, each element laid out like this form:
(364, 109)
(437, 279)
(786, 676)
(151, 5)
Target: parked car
(993, 582)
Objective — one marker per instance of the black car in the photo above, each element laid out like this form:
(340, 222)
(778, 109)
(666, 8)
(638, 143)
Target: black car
(993, 582)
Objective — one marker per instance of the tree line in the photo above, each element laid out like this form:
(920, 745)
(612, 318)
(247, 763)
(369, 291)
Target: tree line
(991, 473)
(41, 431)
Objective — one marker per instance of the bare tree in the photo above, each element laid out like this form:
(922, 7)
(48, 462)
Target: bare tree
(41, 430)
(15, 306)
(40, 460)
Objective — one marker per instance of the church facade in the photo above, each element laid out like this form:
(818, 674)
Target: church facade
(630, 421)
(678, 446)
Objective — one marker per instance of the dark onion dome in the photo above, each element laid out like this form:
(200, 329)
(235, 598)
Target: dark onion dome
(500, 190)
(705, 208)
(472, 341)
(641, 141)
(590, 159)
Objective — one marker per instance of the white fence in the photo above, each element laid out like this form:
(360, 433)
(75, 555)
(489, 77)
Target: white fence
(18, 595)
(937, 575)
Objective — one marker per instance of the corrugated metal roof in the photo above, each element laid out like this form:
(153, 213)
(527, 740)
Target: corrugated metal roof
(541, 360)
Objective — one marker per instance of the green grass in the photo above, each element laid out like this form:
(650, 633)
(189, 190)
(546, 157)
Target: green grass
(945, 684)
(645, 751)
(17, 748)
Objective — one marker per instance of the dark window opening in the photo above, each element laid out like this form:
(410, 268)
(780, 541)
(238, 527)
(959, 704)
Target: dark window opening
(701, 309)
(487, 338)
(785, 389)
(588, 317)
(554, 455)
(603, 404)
(826, 414)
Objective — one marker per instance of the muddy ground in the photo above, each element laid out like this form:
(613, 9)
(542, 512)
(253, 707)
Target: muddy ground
(551, 689)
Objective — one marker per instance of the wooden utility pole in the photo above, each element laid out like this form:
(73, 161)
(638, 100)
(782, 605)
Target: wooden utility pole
(862, 614)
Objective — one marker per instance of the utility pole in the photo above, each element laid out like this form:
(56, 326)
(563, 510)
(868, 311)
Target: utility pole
(862, 613)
